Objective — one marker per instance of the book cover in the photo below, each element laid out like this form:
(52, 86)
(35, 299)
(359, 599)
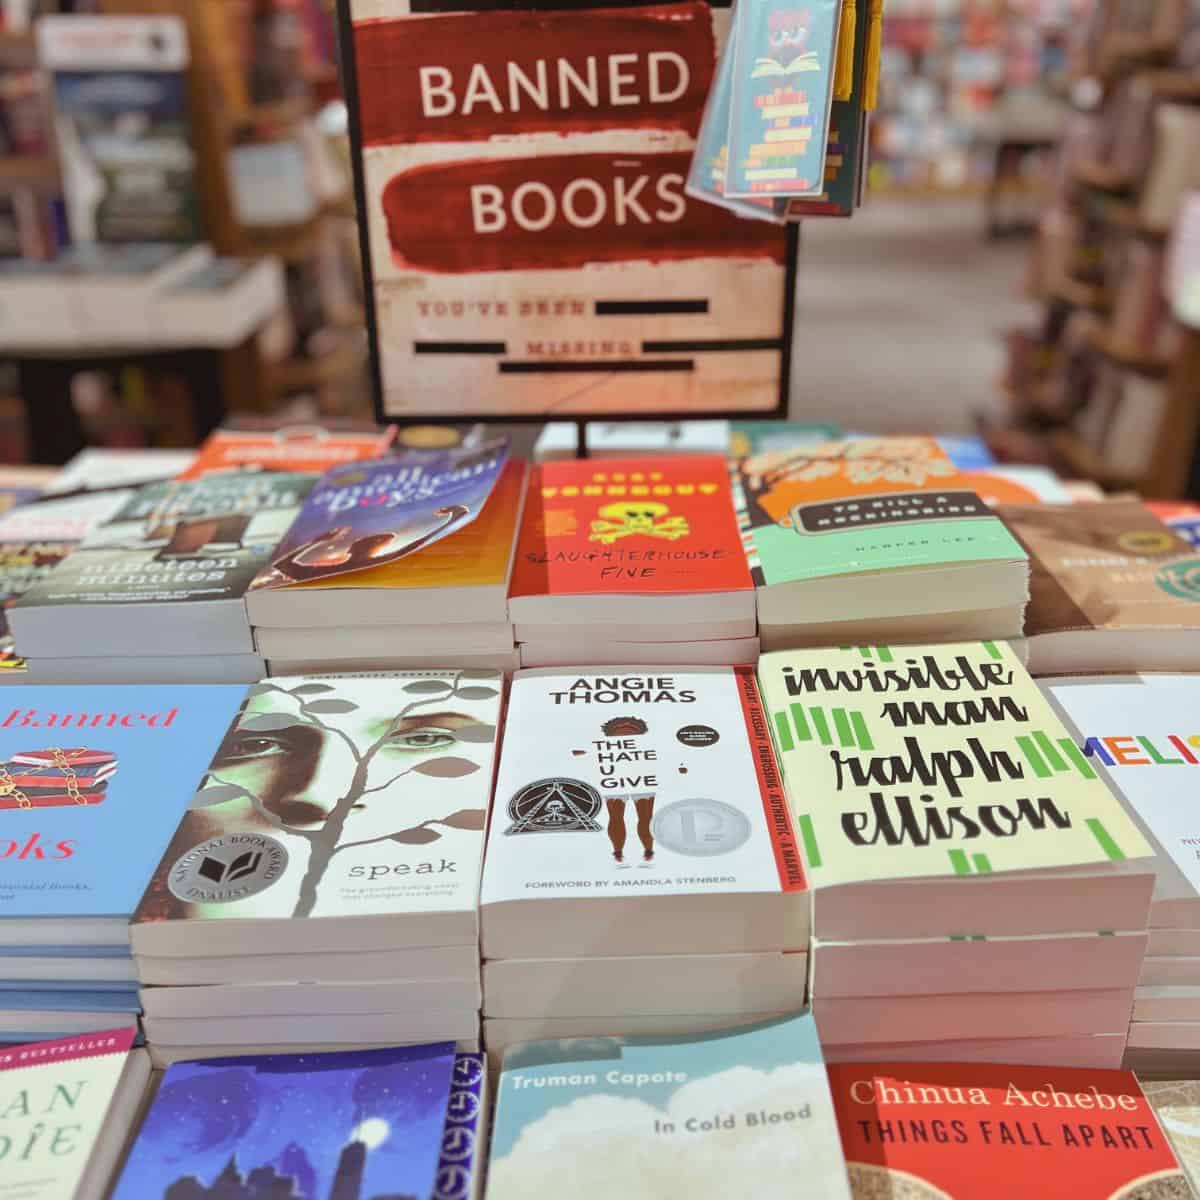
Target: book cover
(364, 1125)
(293, 448)
(1176, 1103)
(914, 761)
(475, 555)
(663, 525)
(949, 1132)
(201, 539)
(617, 780)
(707, 1116)
(781, 95)
(373, 513)
(1109, 565)
(55, 1098)
(1142, 735)
(337, 796)
(123, 127)
(1180, 515)
(865, 504)
(92, 782)
(464, 1140)
(34, 539)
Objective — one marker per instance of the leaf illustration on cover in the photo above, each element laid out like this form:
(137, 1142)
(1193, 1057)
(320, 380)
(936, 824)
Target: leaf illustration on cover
(481, 734)
(426, 687)
(261, 689)
(446, 768)
(311, 689)
(266, 722)
(207, 797)
(330, 706)
(466, 818)
(417, 836)
(477, 693)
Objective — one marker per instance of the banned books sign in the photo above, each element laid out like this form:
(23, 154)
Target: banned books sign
(530, 248)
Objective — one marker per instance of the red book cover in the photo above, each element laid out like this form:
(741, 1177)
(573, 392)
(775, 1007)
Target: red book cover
(988, 1132)
(628, 526)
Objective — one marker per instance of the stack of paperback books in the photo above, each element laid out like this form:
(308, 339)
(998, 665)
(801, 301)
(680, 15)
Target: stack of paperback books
(642, 875)
(359, 1125)
(632, 561)
(92, 782)
(1112, 589)
(973, 898)
(875, 540)
(156, 593)
(322, 891)
(1142, 733)
(396, 563)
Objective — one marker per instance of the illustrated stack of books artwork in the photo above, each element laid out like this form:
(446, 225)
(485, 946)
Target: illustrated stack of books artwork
(156, 593)
(92, 782)
(642, 874)
(72, 1104)
(746, 1111)
(322, 890)
(975, 894)
(932, 1131)
(1142, 734)
(1113, 588)
(394, 563)
(356, 1125)
(876, 540)
(634, 560)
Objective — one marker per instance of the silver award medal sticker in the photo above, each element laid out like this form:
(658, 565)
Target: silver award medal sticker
(228, 868)
(701, 828)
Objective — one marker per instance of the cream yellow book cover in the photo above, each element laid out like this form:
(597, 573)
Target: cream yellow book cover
(914, 761)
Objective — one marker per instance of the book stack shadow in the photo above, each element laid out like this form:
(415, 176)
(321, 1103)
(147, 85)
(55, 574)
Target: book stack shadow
(337, 915)
(641, 875)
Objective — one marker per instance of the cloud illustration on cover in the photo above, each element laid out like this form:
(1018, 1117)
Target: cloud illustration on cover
(205, 1112)
(613, 1150)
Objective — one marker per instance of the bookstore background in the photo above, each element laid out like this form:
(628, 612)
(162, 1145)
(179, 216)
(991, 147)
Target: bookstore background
(620, 584)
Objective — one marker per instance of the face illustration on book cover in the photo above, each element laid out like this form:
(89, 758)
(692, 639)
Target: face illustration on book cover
(949, 1132)
(373, 513)
(338, 797)
(669, 783)
(346, 1126)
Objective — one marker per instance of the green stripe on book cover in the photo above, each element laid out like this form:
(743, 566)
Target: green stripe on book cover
(1081, 764)
(1051, 755)
(842, 724)
(785, 734)
(861, 732)
(1034, 758)
(809, 837)
(960, 863)
(1105, 839)
(803, 733)
(982, 864)
(992, 649)
(821, 725)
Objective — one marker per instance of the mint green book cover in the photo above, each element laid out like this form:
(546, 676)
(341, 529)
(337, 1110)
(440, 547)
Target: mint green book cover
(708, 1116)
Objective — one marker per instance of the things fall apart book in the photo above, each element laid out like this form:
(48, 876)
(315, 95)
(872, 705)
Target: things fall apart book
(358, 800)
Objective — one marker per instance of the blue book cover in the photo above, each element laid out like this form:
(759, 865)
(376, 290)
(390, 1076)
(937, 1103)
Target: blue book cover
(119, 952)
(463, 1138)
(93, 782)
(67, 1000)
(782, 91)
(363, 1125)
(745, 1112)
(14, 991)
(367, 514)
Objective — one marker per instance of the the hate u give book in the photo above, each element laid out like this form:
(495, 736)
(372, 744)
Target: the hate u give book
(911, 761)
(618, 526)
(981, 1132)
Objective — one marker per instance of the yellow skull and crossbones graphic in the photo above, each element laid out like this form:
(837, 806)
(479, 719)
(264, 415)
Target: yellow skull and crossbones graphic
(627, 517)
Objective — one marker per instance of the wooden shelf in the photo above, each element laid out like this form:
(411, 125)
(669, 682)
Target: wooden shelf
(1155, 366)
(19, 171)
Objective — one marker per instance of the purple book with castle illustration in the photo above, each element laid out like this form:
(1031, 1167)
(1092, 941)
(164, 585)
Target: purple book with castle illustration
(360, 1125)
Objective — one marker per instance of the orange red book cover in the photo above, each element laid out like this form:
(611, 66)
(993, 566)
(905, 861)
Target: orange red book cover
(950, 1131)
(298, 448)
(661, 525)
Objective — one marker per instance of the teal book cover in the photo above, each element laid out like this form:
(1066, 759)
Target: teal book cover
(710, 1116)
(93, 781)
(781, 94)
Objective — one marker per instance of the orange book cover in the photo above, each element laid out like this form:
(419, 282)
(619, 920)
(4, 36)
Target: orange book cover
(475, 556)
(662, 525)
(950, 1131)
(300, 448)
